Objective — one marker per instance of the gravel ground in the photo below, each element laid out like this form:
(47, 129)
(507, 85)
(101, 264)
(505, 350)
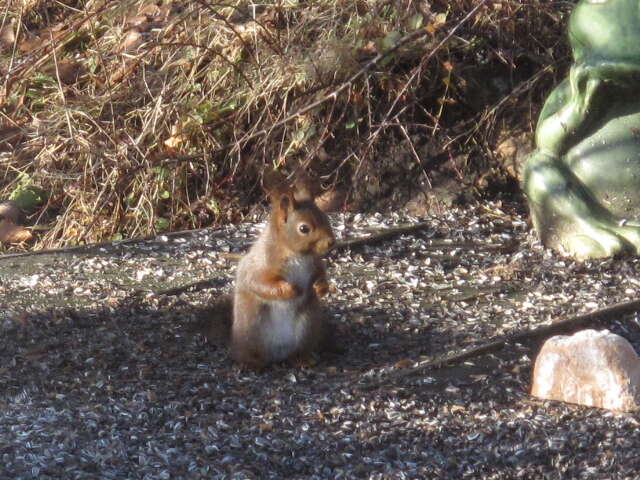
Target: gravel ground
(102, 375)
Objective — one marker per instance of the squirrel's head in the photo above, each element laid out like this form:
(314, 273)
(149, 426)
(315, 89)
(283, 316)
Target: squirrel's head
(300, 225)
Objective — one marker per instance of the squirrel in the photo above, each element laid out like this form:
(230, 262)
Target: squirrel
(277, 314)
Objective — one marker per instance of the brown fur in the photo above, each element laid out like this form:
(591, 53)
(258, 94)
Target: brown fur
(277, 313)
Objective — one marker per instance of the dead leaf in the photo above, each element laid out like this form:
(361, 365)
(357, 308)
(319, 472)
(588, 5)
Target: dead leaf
(30, 43)
(149, 9)
(68, 70)
(176, 138)
(124, 71)
(266, 427)
(507, 148)
(136, 20)
(406, 363)
(11, 233)
(174, 141)
(331, 200)
(131, 41)
(44, 37)
(20, 235)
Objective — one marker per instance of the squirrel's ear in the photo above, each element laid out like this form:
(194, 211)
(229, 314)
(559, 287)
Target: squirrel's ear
(274, 183)
(305, 187)
(285, 204)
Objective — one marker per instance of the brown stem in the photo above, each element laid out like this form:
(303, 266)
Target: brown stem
(542, 332)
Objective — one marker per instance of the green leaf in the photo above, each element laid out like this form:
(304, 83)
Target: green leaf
(440, 18)
(92, 64)
(415, 21)
(28, 197)
(390, 40)
(214, 206)
(43, 80)
(162, 224)
(162, 173)
(229, 107)
(207, 112)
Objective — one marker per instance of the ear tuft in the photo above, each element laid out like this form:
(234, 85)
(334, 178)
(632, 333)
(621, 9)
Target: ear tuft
(305, 187)
(274, 183)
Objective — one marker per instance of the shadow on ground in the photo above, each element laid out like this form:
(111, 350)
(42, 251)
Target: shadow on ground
(104, 374)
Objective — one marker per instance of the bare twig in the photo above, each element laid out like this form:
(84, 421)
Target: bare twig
(409, 38)
(210, 50)
(333, 95)
(538, 333)
(382, 236)
(411, 79)
(192, 287)
(35, 62)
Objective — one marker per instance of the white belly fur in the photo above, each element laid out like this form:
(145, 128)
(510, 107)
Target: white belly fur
(286, 325)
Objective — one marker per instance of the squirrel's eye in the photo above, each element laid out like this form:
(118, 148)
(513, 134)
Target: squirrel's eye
(304, 229)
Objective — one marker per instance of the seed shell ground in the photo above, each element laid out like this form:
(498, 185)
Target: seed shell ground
(103, 375)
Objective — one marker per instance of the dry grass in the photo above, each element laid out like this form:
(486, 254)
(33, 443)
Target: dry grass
(128, 118)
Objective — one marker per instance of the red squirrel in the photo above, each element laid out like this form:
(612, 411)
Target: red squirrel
(277, 313)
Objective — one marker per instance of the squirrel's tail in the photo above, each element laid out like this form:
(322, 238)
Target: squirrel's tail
(214, 321)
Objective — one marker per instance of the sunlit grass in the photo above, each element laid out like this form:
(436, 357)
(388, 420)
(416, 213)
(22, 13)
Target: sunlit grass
(147, 117)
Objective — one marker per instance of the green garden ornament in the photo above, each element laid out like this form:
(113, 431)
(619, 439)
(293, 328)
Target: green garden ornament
(583, 180)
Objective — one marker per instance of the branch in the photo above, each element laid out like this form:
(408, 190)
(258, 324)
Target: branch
(191, 287)
(382, 236)
(46, 50)
(543, 332)
(409, 38)
(391, 233)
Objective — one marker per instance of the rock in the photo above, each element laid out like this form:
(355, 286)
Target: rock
(597, 369)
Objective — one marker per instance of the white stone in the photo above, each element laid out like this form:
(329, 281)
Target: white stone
(593, 368)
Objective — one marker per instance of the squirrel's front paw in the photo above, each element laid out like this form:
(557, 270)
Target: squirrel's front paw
(287, 291)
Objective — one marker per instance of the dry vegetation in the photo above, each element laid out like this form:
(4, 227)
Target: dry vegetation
(127, 118)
